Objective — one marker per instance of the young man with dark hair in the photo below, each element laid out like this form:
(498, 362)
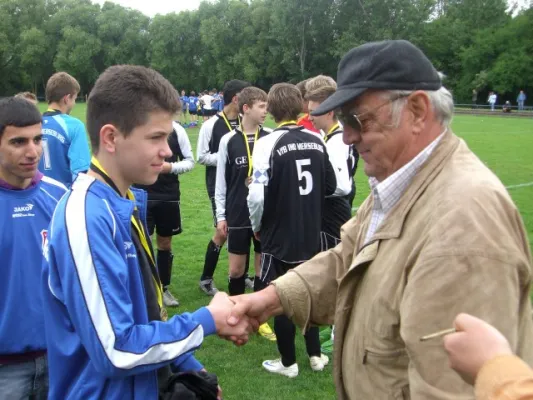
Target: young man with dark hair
(27, 201)
(208, 142)
(292, 174)
(234, 170)
(304, 120)
(338, 209)
(106, 328)
(65, 146)
(164, 214)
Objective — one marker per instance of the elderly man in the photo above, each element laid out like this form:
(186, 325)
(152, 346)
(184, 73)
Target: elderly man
(438, 235)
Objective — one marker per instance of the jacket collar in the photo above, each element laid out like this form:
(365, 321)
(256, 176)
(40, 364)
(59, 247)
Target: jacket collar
(121, 206)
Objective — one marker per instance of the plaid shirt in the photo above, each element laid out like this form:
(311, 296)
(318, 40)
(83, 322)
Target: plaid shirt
(387, 193)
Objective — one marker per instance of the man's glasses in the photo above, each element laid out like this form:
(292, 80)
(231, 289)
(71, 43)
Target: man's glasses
(354, 120)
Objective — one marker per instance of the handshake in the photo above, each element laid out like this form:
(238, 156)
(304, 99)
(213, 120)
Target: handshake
(238, 316)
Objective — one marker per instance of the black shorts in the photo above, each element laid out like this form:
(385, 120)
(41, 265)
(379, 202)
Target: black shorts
(328, 241)
(272, 268)
(164, 217)
(191, 112)
(239, 240)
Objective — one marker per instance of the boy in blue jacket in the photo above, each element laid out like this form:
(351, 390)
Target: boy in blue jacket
(107, 331)
(27, 201)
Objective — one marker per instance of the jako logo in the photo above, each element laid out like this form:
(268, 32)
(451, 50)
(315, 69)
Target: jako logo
(127, 245)
(26, 208)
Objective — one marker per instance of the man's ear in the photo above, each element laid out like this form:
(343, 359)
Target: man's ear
(419, 105)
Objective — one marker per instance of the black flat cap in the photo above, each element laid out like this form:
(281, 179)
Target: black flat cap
(387, 65)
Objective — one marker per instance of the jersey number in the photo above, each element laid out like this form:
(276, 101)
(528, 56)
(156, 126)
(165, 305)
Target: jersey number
(46, 154)
(306, 176)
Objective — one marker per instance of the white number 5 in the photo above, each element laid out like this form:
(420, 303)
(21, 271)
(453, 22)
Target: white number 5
(304, 175)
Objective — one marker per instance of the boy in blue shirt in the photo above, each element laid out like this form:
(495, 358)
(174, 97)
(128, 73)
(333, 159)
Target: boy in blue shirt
(27, 201)
(193, 107)
(107, 332)
(65, 146)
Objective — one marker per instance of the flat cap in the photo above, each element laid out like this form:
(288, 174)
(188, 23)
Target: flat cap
(386, 65)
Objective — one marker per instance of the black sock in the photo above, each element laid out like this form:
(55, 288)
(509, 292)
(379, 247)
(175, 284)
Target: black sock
(236, 286)
(211, 260)
(258, 284)
(164, 266)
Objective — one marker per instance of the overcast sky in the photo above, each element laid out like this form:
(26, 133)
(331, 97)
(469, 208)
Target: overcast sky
(153, 7)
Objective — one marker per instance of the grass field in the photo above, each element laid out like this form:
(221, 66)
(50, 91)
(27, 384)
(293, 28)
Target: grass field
(504, 144)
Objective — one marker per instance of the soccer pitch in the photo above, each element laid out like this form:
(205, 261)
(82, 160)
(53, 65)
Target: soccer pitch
(505, 145)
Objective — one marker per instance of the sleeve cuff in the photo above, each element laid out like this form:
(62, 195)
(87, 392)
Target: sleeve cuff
(498, 371)
(190, 364)
(204, 318)
(294, 298)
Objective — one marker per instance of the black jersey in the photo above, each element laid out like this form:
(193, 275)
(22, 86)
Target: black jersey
(291, 177)
(232, 172)
(167, 186)
(209, 138)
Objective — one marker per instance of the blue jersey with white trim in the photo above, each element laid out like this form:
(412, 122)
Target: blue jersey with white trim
(65, 147)
(24, 222)
(101, 343)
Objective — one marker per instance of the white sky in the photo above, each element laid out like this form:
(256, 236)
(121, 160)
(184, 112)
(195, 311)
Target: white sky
(153, 7)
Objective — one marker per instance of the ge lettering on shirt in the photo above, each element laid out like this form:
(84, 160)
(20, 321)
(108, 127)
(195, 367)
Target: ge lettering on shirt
(292, 175)
(232, 172)
(208, 142)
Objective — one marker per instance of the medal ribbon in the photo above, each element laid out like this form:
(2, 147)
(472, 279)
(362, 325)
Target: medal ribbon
(248, 152)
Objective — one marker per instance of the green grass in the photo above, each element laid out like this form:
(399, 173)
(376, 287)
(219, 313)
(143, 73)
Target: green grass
(504, 144)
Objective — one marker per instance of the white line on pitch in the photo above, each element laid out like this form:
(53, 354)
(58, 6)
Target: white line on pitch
(520, 185)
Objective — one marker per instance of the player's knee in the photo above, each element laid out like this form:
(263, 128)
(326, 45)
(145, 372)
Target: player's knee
(219, 239)
(236, 271)
(164, 242)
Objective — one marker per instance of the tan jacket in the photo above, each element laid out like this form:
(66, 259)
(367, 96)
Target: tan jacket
(453, 243)
(505, 378)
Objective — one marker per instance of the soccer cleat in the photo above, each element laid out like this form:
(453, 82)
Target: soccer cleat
(318, 363)
(249, 283)
(208, 287)
(169, 300)
(276, 367)
(266, 332)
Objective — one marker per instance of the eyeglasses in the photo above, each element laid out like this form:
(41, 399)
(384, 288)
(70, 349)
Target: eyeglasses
(354, 121)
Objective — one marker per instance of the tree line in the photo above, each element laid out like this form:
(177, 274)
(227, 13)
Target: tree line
(475, 43)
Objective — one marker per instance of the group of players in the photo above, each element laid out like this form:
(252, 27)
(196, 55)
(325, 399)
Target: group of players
(206, 104)
(287, 191)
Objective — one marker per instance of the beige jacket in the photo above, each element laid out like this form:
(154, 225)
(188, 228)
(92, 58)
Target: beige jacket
(453, 243)
(505, 378)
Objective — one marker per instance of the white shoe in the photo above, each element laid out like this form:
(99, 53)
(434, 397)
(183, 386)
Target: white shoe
(276, 367)
(318, 363)
(169, 300)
